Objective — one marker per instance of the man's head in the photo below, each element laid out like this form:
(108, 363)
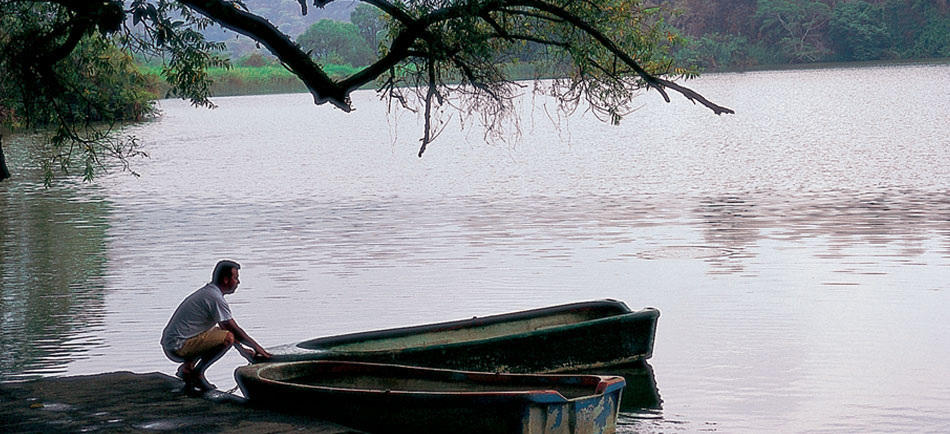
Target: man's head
(226, 276)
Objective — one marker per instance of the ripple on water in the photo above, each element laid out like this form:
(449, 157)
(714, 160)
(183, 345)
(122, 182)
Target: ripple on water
(685, 252)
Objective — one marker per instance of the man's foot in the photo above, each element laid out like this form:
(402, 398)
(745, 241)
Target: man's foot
(200, 384)
(192, 390)
(195, 381)
(183, 372)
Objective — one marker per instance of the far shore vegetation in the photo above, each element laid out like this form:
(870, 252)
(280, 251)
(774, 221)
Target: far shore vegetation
(723, 36)
(259, 75)
(275, 79)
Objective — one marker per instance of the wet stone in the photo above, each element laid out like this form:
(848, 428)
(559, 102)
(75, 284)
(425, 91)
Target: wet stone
(128, 402)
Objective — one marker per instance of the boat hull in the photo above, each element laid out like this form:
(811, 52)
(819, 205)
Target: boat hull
(564, 338)
(401, 399)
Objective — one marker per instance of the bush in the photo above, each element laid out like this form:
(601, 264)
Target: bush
(255, 60)
(716, 51)
(100, 83)
(934, 40)
(858, 34)
(335, 42)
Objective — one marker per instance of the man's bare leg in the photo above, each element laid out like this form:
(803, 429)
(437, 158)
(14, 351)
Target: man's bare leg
(186, 368)
(196, 376)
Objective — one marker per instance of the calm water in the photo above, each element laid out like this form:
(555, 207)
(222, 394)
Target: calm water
(799, 251)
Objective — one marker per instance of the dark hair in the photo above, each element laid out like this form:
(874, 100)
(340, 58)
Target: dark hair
(223, 269)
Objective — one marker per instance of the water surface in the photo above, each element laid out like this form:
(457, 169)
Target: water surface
(799, 251)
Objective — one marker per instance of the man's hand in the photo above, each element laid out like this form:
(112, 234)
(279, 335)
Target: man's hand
(262, 353)
(245, 352)
(252, 355)
(242, 339)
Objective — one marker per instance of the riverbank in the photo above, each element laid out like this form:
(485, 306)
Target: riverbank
(275, 79)
(129, 402)
(828, 65)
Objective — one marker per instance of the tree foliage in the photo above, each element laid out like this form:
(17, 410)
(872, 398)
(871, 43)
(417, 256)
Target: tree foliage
(336, 42)
(435, 53)
(796, 26)
(858, 32)
(368, 19)
(934, 39)
(739, 33)
(716, 50)
(75, 80)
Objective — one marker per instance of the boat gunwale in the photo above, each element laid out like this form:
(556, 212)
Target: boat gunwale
(493, 339)
(400, 332)
(606, 384)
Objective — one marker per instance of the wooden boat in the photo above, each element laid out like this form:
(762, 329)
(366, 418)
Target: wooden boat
(382, 398)
(565, 338)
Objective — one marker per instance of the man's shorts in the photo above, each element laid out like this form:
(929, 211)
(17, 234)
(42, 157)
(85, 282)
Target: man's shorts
(198, 345)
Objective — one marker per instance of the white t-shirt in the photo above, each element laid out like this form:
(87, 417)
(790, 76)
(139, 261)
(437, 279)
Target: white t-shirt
(196, 314)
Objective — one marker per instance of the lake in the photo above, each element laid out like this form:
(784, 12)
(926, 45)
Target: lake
(799, 250)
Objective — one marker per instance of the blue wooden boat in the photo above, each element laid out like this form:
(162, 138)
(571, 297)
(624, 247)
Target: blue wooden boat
(565, 338)
(381, 398)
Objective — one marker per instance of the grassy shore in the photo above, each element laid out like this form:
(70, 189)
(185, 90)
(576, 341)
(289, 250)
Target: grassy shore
(250, 80)
(274, 78)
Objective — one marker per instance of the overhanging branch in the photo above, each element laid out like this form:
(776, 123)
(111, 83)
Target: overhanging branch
(260, 30)
(4, 172)
(652, 81)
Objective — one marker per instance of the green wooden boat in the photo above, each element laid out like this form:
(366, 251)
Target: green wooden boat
(565, 338)
(383, 398)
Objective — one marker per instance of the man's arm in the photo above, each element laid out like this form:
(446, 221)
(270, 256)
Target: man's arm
(242, 337)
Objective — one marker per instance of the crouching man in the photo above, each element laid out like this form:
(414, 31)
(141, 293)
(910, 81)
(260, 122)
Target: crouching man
(202, 329)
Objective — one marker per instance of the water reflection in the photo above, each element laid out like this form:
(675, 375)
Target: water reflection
(908, 218)
(52, 259)
(641, 394)
(405, 232)
(730, 223)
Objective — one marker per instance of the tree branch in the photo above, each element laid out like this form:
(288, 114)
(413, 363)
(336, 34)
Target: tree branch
(531, 14)
(426, 138)
(399, 49)
(4, 172)
(529, 38)
(77, 28)
(393, 11)
(320, 85)
(655, 82)
(494, 24)
(470, 75)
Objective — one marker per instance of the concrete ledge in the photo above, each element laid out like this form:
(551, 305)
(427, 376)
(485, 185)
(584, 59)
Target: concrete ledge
(129, 402)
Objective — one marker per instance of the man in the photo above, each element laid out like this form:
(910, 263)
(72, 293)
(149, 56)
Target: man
(202, 329)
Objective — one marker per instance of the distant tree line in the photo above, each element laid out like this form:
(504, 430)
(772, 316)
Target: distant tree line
(743, 33)
(354, 43)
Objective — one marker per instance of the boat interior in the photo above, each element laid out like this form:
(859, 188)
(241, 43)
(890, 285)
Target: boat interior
(369, 377)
